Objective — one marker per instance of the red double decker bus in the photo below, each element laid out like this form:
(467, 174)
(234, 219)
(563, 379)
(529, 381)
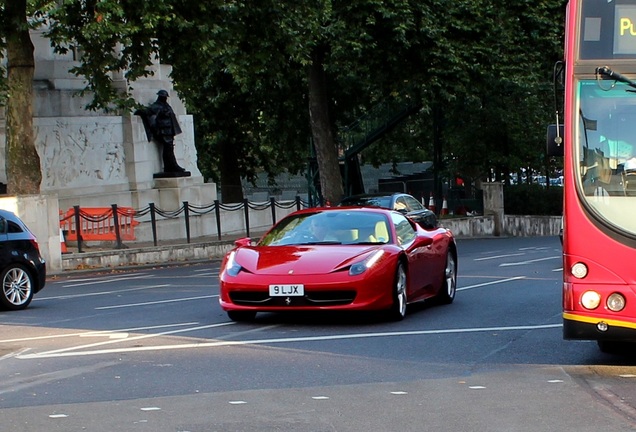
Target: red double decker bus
(597, 138)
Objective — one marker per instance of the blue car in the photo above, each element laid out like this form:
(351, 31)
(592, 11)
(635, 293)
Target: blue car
(22, 268)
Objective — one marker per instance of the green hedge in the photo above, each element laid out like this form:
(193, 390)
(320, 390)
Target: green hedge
(533, 199)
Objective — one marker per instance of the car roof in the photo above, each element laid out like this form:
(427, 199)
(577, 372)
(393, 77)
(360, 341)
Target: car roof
(374, 195)
(10, 216)
(344, 208)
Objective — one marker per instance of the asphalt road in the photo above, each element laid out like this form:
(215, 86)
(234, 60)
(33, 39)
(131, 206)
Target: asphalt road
(150, 350)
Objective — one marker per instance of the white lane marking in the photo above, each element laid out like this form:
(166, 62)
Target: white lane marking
(529, 261)
(399, 393)
(136, 338)
(207, 269)
(155, 302)
(14, 354)
(498, 256)
(53, 354)
(56, 416)
(92, 279)
(476, 387)
(491, 283)
(555, 381)
(320, 397)
(110, 335)
(69, 296)
(61, 335)
(238, 402)
(111, 280)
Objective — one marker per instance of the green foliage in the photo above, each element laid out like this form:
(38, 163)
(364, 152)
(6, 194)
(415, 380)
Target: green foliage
(110, 37)
(241, 68)
(533, 199)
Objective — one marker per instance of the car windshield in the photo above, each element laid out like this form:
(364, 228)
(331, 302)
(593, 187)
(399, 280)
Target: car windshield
(329, 228)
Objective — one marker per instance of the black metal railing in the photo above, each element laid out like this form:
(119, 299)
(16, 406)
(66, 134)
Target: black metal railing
(117, 224)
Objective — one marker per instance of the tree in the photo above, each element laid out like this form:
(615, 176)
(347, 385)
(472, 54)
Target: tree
(22, 162)
(262, 78)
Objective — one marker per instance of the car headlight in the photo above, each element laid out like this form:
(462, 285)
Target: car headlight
(232, 268)
(367, 263)
(590, 300)
(579, 270)
(616, 302)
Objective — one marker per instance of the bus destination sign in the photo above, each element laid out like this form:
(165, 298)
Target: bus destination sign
(608, 29)
(625, 29)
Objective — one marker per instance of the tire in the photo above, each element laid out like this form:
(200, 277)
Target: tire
(611, 347)
(241, 316)
(448, 289)
(17, 287)
(397, 312)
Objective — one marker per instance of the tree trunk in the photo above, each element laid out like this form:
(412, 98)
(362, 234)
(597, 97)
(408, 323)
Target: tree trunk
(321, 131)
(231, 187)
(24, 174)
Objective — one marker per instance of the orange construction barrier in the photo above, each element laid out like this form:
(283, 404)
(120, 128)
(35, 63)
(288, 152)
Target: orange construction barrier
(431, 203)
(62, 242)
(444, 207)
(98, 224)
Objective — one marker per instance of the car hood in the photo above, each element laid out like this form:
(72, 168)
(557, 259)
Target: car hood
(300, 260)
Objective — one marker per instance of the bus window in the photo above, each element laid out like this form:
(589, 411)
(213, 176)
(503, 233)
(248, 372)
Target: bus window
(606, 146)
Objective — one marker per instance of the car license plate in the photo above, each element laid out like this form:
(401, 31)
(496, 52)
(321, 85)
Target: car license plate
(286, 290)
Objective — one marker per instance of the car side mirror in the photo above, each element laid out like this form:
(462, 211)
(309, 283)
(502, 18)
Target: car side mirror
(242, 242)
(423, 241)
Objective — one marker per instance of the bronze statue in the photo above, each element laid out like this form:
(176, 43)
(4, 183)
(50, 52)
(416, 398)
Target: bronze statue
(161, 124)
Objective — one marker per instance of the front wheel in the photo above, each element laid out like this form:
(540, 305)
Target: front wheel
(17, 287)
(449, 284)
(615, 347)
(398, 308)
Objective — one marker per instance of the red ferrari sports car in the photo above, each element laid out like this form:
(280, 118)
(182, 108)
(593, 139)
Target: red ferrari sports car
(339, 258)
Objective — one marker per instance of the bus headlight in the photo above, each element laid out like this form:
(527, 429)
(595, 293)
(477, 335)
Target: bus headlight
(616, 302)
(579, 270)
(590, 300)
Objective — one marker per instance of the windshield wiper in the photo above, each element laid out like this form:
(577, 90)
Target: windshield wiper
(608, 73)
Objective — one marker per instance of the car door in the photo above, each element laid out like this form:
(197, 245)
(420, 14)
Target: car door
(4, 254)
(420, 258)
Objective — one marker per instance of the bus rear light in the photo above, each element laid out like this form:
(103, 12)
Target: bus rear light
(590, 300)
(616, 302)
(579, 270)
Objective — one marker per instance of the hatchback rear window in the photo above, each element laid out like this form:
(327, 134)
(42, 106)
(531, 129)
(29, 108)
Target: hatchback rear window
(13, 227)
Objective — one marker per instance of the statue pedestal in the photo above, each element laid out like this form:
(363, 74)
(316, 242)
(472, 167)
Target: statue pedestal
(171, 174)
(169, 194)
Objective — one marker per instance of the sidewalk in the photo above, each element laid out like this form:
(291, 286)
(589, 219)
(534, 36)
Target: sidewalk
(134, 254)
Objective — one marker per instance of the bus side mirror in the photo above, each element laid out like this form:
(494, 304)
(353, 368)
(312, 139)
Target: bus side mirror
(554, 141)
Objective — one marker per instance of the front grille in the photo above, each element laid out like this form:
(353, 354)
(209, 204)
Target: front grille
(313, 298)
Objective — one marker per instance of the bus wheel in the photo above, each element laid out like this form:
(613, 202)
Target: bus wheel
(609, 347)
